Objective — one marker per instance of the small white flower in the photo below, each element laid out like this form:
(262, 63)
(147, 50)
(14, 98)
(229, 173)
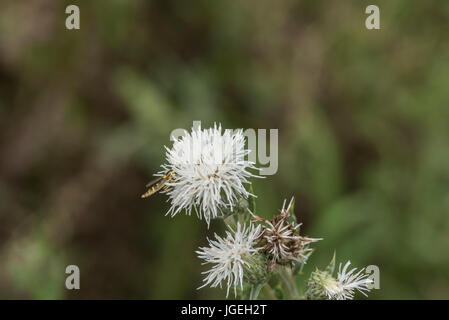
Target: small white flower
(229, 256)
(346, 283)
(209, 170)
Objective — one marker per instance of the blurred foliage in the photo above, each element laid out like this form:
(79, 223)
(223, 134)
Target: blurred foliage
(84, 115)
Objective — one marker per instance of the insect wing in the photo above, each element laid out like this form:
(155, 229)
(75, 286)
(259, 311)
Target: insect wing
(154, 181)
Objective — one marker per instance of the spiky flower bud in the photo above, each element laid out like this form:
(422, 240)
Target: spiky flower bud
(255, 269)
(316, 285)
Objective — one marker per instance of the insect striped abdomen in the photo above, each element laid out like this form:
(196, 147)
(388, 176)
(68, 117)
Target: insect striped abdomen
(158, 184)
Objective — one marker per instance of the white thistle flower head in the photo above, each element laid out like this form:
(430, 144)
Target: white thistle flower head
(231, 257)
(281, 239)
(343, 288)
(209, 171)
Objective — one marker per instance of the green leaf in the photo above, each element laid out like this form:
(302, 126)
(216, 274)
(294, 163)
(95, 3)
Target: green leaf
(255, 290)
(331, 267)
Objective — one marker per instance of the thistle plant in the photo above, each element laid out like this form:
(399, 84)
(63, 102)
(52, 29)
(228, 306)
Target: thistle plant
(206, 171)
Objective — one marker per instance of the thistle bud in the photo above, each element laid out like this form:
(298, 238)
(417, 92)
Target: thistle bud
(255, 269)
(316, 285)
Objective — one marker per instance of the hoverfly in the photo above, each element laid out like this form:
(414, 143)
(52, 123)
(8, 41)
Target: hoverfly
(158, 184)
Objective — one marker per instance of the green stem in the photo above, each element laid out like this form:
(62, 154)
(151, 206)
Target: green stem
(268, 291)
(290, 283)
(255, 290)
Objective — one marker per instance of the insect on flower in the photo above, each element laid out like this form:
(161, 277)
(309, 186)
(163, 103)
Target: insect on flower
(158, 184)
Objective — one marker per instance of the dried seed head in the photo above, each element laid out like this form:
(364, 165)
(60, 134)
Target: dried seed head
(280, 239)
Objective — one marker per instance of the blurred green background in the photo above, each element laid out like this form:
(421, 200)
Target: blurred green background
(363, 121)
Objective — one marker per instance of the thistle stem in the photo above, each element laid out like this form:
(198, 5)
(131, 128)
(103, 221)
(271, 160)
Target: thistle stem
(268, 291)
(289, 282)
(255, 290)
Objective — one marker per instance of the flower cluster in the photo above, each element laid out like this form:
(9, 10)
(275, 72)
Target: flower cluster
(206, 170)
